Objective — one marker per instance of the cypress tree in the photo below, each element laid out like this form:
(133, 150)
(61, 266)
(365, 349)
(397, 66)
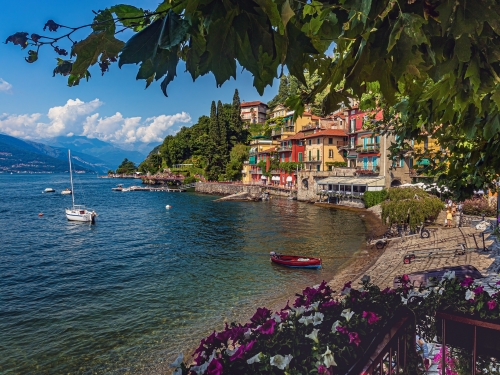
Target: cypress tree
(236, 124)
(222, 128)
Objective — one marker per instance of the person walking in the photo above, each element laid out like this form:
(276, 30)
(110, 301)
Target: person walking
(449, 218)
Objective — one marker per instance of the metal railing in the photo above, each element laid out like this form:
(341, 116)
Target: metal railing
(286, 148)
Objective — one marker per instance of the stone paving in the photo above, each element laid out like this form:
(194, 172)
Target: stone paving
(390, 263)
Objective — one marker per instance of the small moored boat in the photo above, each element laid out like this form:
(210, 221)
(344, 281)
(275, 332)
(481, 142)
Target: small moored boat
(66, 192)
(293, 261)
(49, 190)
(118, 187)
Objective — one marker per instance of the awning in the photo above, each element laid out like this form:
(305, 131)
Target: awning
(352, 155)
(263, 177)
(289, 179)
(423, 162)
(275, 178)
(361, 156)
(367, 181)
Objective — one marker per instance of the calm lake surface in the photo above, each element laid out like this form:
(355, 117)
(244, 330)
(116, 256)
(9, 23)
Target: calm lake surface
(144, 283)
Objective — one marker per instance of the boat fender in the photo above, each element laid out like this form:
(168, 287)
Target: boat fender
(168, 206)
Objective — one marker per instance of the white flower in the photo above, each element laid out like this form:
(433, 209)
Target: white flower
(328, 359)
(365, 279)
(230, 352)
(347, 314)
(314, 306)
(334, 326)
(177, 361)
(317, 319)
(404, 300)
(306, 320)
(201, 369)
(177, 371)
(314, 335)
(276, 318)
(299, 310)
(247, 333)
(281, 362)
(469, 295)
(448, 275)
(255, 358)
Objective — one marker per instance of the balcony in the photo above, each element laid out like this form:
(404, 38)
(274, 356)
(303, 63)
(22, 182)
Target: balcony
(368, 148)
(256, 171)
(312, 160)
(276, 132)
(284, 149)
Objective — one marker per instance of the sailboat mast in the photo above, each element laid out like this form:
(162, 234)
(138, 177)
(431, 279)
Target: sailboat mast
(71, 178)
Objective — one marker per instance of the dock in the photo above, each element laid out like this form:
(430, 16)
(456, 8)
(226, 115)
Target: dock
(152, 188)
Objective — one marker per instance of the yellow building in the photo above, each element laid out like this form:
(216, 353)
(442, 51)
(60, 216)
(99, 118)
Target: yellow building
(258, 144)
(322, 149)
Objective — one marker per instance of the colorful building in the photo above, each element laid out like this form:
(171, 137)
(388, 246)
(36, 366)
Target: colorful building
(251, 173)
(291, 149)
(254, 112)
(322, 149)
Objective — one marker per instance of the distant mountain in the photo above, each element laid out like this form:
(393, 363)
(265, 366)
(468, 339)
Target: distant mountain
(110, 154)
(17, 155)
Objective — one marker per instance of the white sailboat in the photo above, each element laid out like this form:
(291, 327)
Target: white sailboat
(78, 212)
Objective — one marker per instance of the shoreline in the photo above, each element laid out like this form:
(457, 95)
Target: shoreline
(362, 260)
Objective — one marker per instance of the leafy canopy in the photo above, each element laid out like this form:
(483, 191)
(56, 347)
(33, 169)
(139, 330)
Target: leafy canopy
(433, 65)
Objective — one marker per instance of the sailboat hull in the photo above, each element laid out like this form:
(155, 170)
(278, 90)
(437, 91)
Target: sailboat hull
(80, 215)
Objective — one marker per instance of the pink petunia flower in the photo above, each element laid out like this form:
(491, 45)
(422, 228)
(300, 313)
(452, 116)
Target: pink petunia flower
(354, 338)
(491, 304)
(215, 367)
(478, 290)
(467, 281)
(371, 317)
(268, 327)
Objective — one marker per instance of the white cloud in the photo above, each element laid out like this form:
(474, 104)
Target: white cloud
(77, 117)
(119, 129)
(4, 85)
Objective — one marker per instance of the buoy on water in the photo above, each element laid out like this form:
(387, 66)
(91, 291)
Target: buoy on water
(40, 214)
(168, 206)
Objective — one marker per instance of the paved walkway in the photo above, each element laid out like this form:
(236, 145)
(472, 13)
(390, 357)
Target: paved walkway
(391, 264)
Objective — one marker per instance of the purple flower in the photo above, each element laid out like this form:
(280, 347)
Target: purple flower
(491, 304)
(330, 303)
(347, 285)
(370, 317)
(342, 330)
(467, 281)
(215, 367)
(498, 282)
(388, 291)
(478, 290)
(354, 338)
(261, 315)
(268, 327)
(405, 279)
(242, 349)
(322, 369)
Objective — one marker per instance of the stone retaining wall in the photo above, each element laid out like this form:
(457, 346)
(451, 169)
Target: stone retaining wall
(227, 189)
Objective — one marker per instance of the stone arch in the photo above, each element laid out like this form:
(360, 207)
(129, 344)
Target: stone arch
(395, 183)
(305, 183)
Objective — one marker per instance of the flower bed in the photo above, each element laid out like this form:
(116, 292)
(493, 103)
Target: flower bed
(323, 333)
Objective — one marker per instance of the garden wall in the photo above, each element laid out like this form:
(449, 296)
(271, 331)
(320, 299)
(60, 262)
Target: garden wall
(216, 188)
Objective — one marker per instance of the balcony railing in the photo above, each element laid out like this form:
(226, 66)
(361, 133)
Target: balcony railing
(276, 132)
(364, 149)
(285, 148)
(312, 160)
(256, 171)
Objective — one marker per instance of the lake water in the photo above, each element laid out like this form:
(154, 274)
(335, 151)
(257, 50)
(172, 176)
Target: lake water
(144, 283)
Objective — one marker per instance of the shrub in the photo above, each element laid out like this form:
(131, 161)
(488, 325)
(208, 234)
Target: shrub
(337, 164)
(190, 180)
(478, 207)
(372, 198)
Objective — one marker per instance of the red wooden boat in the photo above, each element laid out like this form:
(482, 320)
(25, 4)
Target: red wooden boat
(293, 261)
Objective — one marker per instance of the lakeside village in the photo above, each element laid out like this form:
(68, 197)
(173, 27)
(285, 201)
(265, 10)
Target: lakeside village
(432, 302)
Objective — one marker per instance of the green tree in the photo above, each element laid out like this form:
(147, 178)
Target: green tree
(238, 155)
(436, 62)
(126, 167)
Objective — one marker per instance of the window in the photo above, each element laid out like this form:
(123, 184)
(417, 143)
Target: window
(352, 142)
(310, 155)
(330, 141)
(300, 156)
(401, 162)
(353, 125)
(330, 153)
(318, 141)
(318, 167)
(310, 142)
(317, 155)
(426, 143)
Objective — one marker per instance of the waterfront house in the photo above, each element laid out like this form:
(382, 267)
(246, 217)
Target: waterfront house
(253, 112)
(251, 172)
(291, 149)
(322, 149)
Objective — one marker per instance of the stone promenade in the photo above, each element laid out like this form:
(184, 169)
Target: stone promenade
(442, 242)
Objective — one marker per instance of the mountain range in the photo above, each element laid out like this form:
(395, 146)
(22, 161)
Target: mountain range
(18, 155)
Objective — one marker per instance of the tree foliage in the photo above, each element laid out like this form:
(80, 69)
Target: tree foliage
(433, 65)
(410, 205)
(126, 167)
(372, 198)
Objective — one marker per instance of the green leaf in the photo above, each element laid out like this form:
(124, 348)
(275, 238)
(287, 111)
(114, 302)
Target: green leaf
(462, 48)
(395, 34)
(88, 50)
(134, 15)
(270, 8)
(492, 127)
(103, 22)
(175, 31)
(143, 45)
(286, 12)
(473, 74)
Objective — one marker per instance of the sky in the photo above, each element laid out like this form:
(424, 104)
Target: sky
(115, 107)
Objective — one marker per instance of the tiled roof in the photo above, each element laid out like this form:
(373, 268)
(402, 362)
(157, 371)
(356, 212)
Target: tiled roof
(272, 149)
(299, 135)
(249, 104)
(328, 132)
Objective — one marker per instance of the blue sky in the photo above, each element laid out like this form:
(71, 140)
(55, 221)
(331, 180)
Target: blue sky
(114, 107)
